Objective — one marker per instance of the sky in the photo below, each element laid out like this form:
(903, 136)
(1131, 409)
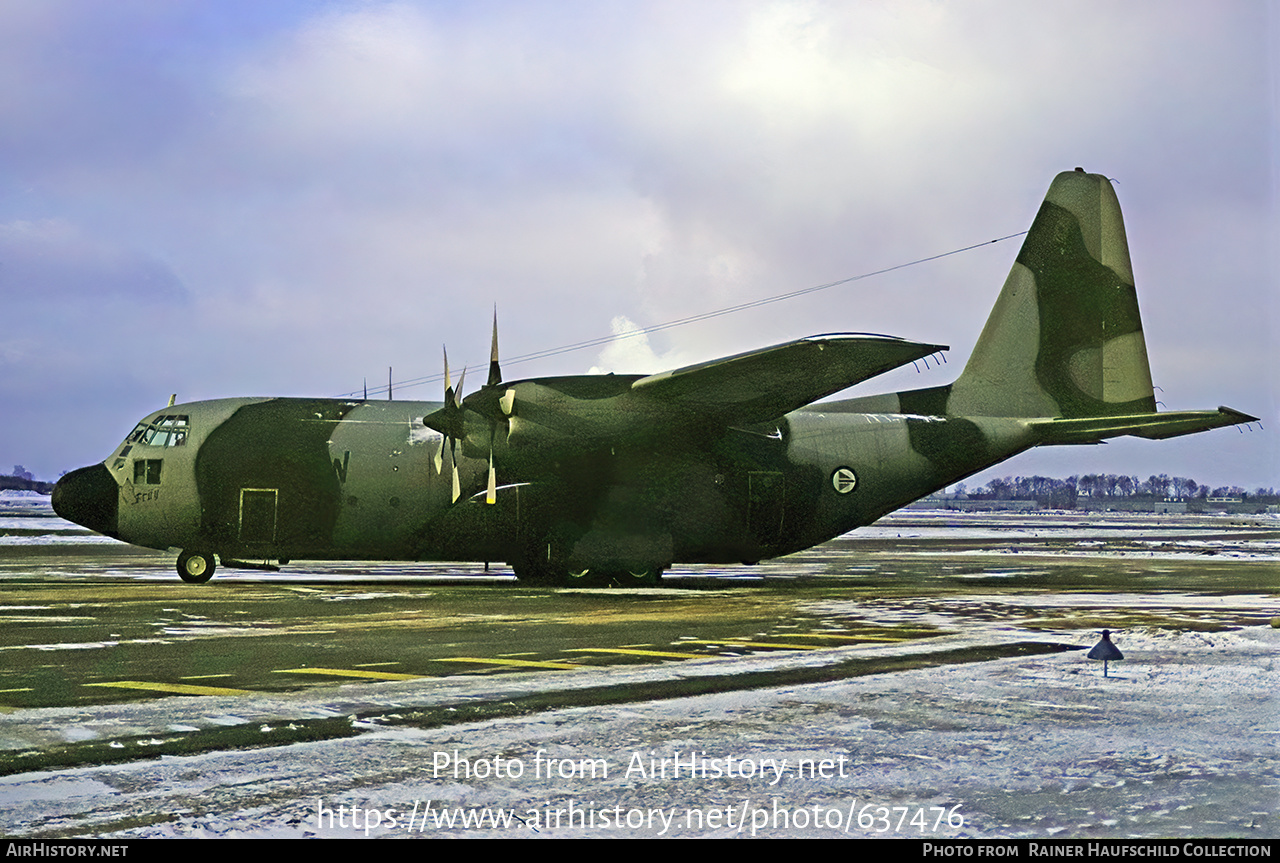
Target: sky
(238, 198)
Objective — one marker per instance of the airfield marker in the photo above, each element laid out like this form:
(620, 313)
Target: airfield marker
(1106, 651)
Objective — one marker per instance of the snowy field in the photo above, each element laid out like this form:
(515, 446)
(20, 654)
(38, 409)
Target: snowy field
(27, 518)
(1179, 741)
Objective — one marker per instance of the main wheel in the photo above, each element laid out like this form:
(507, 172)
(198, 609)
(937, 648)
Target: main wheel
(531, 573)
(637, 576)
(580, 576)
(196, 567)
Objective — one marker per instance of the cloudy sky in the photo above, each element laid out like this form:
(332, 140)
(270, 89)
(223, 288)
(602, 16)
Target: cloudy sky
(239, 198)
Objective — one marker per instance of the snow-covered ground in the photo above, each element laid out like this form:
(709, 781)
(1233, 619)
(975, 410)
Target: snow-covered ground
(1180, 740)
(1064, 534)
(33, 514)
(27, 518)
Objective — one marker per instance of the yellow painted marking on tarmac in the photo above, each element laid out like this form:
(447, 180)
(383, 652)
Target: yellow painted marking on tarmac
(374, 664)
(518, 663)
(201, 676)
(877, 638)
(24, 689)
(349, 672)
(177, 688)
(13, 618)
(733, 642)
(627, 651)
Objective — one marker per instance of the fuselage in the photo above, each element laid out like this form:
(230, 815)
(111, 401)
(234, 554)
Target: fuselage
(278, 479)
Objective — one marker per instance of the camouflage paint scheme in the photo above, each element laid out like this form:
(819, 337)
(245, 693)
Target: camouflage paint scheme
(617, 477)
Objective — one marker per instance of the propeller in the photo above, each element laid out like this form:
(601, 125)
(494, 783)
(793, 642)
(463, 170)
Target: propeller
(449, 422)
(450, 419)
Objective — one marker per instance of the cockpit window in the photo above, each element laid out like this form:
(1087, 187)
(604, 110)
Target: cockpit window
(166, 430)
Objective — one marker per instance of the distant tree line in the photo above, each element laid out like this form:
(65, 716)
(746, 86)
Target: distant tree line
(1063, 493)
(24, 482)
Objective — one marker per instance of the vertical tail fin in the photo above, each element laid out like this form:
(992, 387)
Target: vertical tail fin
(1065, 338)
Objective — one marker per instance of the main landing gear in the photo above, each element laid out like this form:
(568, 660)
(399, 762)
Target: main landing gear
(548, 573)
(638, 576)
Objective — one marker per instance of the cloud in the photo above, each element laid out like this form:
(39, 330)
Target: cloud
(630, 352)
(52, 261)
(324, 190)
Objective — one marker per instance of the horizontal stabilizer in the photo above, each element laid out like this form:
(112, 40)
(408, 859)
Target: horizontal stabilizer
(765, 384)
(1156, 426)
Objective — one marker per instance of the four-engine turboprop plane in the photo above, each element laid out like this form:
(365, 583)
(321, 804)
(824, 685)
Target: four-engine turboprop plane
(617, 477)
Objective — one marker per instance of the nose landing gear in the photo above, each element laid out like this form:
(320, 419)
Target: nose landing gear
(196, 567)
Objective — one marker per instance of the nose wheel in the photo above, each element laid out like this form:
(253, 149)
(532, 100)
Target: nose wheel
(196, 567)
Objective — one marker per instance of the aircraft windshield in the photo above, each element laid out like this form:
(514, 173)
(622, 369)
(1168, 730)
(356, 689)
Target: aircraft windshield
(166, 430)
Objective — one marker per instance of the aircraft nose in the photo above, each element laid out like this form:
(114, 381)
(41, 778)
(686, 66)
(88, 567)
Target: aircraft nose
(90, 497)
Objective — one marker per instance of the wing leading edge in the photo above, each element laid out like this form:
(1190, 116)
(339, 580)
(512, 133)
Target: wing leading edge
(764, 384)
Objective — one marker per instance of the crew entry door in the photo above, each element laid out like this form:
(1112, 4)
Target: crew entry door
(258, 515)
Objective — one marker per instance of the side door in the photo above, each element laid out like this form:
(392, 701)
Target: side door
(765, 500)
(258, 515)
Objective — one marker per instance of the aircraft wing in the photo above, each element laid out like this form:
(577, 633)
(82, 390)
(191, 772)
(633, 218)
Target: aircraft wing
(767, 383)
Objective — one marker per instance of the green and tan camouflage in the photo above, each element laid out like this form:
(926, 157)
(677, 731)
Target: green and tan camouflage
(618, 477)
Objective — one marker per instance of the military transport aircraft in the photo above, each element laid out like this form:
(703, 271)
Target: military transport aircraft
(616, 477)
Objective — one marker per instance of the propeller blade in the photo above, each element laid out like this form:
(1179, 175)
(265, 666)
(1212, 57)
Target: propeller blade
(495, 372)
(457, 484)
(448, 384)
(491, 491)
